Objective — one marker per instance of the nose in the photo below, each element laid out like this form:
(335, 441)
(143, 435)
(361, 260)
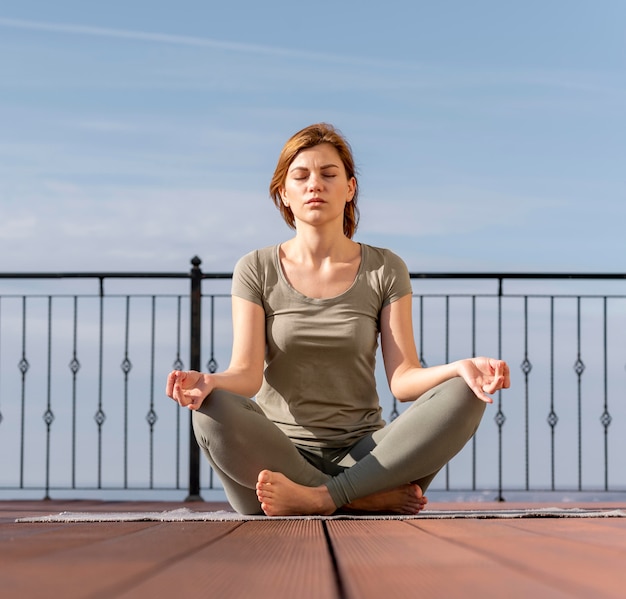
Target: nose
(315, 182)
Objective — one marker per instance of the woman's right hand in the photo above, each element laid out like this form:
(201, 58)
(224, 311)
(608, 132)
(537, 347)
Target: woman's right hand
(188, 388)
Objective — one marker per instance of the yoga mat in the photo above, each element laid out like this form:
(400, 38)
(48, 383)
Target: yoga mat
(186, 515)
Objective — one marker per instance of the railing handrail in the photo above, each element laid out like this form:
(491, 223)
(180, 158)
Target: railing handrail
(516, 275)
(228, 275)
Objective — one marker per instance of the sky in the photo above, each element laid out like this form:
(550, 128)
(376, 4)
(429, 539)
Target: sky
(490, 136)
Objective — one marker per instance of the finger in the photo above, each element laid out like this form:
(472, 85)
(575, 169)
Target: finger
(179, 393)
(507, 376)
(169, 385)
(191, 401)
(188, 398)
(502, 376)
(498, 369)
(495, 385)
(478, 392)
(494, 381)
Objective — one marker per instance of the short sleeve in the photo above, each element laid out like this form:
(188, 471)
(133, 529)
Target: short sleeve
(396, 282)
(247, 280)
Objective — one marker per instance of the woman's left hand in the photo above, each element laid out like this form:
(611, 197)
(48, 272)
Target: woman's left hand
(485, 376)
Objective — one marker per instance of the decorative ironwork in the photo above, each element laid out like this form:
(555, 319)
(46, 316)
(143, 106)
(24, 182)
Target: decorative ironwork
(126, 366)
(151, 417)
(74, 366)
(23, 365)
(48, 417)
(579, 367)
(439, 335)
(100, 417)
(553, 419)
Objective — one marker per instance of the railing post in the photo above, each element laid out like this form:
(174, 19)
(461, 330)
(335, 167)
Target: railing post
(195, 297)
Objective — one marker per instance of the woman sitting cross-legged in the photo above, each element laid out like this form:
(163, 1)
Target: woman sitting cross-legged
(308, 315)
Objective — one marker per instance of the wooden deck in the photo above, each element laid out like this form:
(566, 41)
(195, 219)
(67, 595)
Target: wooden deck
(318, 559)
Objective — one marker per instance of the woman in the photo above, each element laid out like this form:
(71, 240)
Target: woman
(307, 318)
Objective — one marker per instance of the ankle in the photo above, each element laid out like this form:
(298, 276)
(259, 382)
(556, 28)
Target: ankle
(326, 503)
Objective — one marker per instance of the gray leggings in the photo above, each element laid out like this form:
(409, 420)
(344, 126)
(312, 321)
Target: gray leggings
(239, 441)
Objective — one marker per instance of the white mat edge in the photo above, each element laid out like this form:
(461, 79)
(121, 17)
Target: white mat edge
(186, 515)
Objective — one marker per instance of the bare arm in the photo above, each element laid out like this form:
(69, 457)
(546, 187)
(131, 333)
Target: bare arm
(244, 374)
(408, 380)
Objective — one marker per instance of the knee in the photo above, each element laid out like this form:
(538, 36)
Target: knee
(221, 413)
(212, 414)
(460, 388)
(223, 407)
(465, 399)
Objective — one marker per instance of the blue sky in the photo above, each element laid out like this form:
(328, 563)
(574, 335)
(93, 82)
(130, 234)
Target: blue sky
(490, 136)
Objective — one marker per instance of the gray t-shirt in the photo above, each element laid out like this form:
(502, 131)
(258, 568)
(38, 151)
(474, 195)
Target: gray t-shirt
(319, 385)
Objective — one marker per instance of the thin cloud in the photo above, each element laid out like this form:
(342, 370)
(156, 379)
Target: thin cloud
(181, 40)
(396, 74)
(116, 226)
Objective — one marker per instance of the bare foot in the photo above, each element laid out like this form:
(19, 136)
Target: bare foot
(280, 496)
(406, 499)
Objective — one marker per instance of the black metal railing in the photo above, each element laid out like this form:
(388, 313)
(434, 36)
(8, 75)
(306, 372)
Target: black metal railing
(82, 408)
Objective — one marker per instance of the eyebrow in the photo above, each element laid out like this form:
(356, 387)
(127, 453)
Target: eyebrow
(324, 166)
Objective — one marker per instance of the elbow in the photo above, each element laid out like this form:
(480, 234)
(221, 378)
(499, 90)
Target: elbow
(406, 383)
(401, 393)
(256, 386)
(404, 398)
(402, 386)
(252, 385)
(255, 381)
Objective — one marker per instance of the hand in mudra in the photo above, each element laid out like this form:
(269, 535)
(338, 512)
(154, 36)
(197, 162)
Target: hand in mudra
(188, 388)
(485, 376)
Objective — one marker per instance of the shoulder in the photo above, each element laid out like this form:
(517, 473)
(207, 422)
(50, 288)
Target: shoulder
(252, 272)
(376, 257)
(387, 272)
(256, 260)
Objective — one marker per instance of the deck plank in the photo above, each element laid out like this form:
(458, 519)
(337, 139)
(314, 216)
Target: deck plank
(281, 559)
(539, 557)
(394, 559)
(88, 559)
(556, 551)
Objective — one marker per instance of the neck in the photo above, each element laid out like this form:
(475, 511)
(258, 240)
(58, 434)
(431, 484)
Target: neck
(315, 246)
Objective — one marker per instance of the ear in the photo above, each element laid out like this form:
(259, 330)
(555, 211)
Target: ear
(351, 189)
